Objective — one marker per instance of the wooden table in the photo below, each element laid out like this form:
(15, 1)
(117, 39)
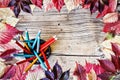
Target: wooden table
(78, 32)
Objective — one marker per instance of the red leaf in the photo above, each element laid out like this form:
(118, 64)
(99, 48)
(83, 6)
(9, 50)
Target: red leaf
(4, 3)
(98, 69)
(108, 9)
(88, 67)
(38, 3)
(107, 65)
(58, 4)
(115, 60)
(112, 27)
(80, 72)
(110, 18)
(116, 49)
(7, 33)
(7, 53)
(19, 72)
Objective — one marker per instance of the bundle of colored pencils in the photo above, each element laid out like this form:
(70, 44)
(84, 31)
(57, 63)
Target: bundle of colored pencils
(32, 53)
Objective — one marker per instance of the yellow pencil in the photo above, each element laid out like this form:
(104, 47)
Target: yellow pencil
(25, 44)
(31, 64)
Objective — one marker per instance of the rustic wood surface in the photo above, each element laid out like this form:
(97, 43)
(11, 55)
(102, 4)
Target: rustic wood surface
(78, 32)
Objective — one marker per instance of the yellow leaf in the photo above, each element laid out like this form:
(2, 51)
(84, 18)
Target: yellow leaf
(69, 4)
(5, 12)
(12, 21)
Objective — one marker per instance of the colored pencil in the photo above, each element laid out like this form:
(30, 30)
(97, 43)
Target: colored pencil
(27, 38)
(35, 41)
(42, 47)
(23, 55)
(25, 44)
(38, 45)
(40, 60)
(31, 64)
(29, 59)
(22, 47)
(48, 42)
(46, 61)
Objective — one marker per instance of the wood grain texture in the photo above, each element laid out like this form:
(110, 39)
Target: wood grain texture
(78, 32)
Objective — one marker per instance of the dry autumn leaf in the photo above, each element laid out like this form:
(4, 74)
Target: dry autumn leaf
(69, 4)
(7, 33)
(48, 4)
(58, 4)
(110, 18)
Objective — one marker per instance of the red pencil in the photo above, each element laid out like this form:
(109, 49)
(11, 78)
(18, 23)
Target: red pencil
(46, 61)
(22, 47)
(29, 59)
(48, 42)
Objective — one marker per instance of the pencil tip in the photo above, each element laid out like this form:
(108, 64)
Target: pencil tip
(55, 37)
(39, 31)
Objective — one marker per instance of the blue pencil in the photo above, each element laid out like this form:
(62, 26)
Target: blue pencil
(28, 41)
(38, 45)
(39, 59)
(27, 38)
(35, 41)
(23, 55)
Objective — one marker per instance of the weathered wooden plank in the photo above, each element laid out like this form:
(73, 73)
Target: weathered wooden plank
(78, 32)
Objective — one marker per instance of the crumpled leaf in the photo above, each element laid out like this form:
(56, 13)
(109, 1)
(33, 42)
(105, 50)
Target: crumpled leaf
(57, 70)
(105, 76)
(38, 3)
(48, 4)
(116, 49)
(11, 71)
(80, 72)
(36, 74)
(110, 18)
(19, 71)
(112, 27)
(7, 53)
(4, 3)
(49, 75)
(20, 5)
(7, 33)
(58, 4)
(107, 65)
